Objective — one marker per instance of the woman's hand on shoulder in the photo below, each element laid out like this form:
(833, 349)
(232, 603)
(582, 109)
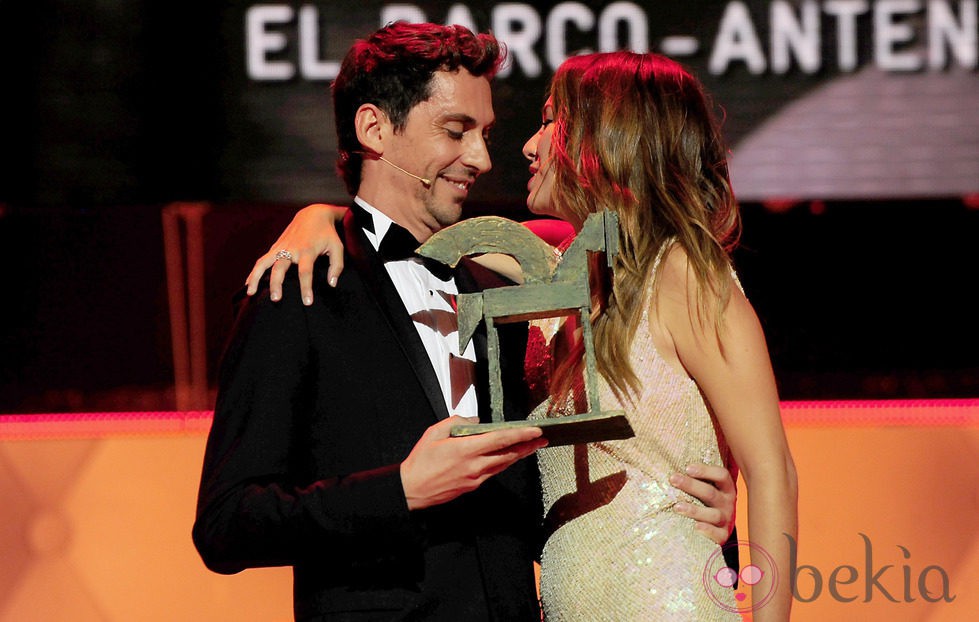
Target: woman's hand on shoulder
(311, 233)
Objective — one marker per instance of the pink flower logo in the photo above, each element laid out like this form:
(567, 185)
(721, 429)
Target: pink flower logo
(753, 586)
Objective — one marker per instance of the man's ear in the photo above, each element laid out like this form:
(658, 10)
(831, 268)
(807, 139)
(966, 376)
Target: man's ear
(372, 126)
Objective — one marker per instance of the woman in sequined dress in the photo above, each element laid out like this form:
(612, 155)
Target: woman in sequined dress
(678, 347)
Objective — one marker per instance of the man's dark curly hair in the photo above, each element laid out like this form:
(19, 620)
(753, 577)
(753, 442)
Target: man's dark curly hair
(393, 70)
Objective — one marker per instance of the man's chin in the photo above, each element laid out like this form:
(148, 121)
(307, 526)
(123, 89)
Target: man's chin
(449, 215)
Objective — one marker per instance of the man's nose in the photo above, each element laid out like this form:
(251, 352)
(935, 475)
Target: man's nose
(477, 155)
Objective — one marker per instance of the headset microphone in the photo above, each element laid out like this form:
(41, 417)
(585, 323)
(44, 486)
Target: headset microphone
(426, 182)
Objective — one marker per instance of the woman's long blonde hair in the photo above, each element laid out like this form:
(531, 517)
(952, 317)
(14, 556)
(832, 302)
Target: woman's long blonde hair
(635, 133)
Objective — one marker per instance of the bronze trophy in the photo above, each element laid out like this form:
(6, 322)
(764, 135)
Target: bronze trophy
(552, 287)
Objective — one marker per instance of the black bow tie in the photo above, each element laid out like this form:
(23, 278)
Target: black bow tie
(398, 244)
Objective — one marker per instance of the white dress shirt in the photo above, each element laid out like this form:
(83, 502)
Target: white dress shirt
(430, 303)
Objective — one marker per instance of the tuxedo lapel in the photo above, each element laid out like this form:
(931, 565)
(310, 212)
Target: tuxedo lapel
(367, 263)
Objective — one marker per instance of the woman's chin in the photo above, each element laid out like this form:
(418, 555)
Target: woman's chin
(544, 211)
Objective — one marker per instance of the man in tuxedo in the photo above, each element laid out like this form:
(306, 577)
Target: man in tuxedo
(330, 448)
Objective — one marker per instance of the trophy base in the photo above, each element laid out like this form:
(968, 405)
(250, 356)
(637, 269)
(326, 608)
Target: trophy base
(566, 430)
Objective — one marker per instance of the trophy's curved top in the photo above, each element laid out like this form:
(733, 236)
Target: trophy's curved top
(493, 234)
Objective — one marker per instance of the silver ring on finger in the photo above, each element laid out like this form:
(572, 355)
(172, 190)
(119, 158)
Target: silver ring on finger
(283, 254)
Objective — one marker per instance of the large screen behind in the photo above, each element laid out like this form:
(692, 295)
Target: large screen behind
(853, 129)
(822, 99)
(833, 99)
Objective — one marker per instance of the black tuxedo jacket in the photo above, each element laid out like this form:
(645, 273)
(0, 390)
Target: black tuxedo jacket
(317, 406)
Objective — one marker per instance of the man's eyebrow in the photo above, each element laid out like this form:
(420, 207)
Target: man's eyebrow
(465, 119)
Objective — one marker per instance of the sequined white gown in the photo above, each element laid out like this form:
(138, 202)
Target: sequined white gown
(618, 551)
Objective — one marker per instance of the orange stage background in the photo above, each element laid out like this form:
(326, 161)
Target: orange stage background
(97, 510)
